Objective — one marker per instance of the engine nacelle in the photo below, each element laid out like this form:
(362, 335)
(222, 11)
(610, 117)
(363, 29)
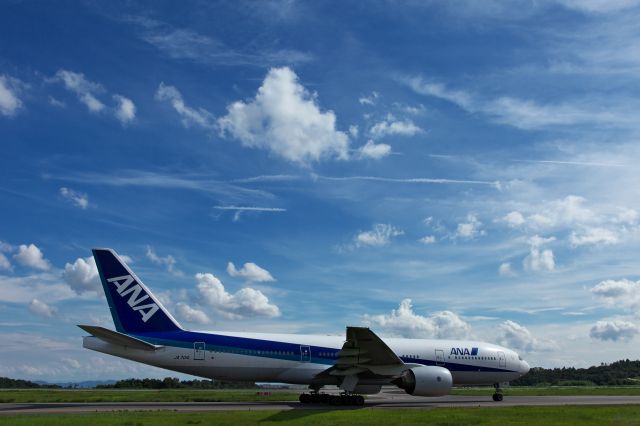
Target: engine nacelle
(425, 380)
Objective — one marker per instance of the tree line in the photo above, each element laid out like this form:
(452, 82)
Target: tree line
(623, 372)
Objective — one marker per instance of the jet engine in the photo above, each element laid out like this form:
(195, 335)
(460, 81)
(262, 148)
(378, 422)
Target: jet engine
(426, 380)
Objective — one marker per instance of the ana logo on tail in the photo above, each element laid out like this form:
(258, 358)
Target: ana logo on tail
(136, 296)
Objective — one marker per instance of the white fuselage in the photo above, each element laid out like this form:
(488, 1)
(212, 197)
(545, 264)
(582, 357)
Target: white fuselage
(297, 359)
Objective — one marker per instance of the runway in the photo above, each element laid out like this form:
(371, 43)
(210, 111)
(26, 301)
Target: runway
(381, 401)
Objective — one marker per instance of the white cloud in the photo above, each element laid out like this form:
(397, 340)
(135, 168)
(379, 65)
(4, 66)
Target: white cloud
(369, 100)
(619, 293)
(428, 239)
(514, 219)
(79, 199)
(374, 150)
(538, 259)
(614, 330)
(567, 211)
(56, 103)
(405, 322)
(190, 314)
(246, 302)
(32, 257)
(379, 235)
(180, 43)
(42, 309)
(249, 272)
(518, 337)
(9, 101)
(593, 236)
(354, 131)
(190, 116)
(125, 111)
(168, 261)
(470, 228)
(286, 119)
(84, 89)
(392, 126)
(505, 270)
(82, 275)
(4, 263)
(521, 113)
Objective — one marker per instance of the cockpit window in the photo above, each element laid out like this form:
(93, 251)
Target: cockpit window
(519, 357)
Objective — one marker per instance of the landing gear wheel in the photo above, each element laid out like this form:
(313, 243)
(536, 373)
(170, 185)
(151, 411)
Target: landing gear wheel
(359, 400)
(335, 400)
(497, 397)
(304, 398)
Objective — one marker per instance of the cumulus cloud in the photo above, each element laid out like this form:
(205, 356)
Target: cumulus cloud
(369, 100)
(10, 103)
(249, 272)
(82, 275)
(514, 219)
(84, 89)
(567, 211)
(190, 314)
(190, 116)
(374, 150)
(285, 119)
(593, 236)
(168, 261)
(505, 270)
(380, 235)
(42, 309)
(469, 229)
(516, 336)
(31, 256)
(4, 263)
(405, 322)
(619, 293)
(246, 302)
(428, 239)
(78, 199)
(539, 259)
(614, 330)
(391, 126)
(125, 110)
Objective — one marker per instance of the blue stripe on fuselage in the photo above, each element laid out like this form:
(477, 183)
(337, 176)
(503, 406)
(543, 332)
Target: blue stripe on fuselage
(278, 350)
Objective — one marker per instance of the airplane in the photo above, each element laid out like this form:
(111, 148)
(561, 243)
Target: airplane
(359, 364)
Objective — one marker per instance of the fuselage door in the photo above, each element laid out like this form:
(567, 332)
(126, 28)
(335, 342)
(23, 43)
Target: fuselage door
(305, 353)
(502, 360)
(198, 351)
(440, 357)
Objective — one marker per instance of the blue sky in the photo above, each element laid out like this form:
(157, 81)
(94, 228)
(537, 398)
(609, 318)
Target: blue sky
(431, 169)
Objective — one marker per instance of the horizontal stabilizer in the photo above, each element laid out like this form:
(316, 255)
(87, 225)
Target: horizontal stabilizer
(116, 338)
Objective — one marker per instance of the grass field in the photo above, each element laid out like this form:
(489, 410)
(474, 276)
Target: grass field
(547, 416)
(554, 391)
(189, 395)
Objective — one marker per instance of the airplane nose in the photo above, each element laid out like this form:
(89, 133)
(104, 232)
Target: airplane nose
(524, 367)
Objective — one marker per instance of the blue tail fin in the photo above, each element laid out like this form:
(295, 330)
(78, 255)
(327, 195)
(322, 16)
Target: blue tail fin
(133, 307)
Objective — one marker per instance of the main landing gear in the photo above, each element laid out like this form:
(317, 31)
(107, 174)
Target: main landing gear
(315, 397)
(497, 396)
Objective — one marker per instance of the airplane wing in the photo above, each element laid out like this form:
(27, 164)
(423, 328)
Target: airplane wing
(364, 352)
(116, 338)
